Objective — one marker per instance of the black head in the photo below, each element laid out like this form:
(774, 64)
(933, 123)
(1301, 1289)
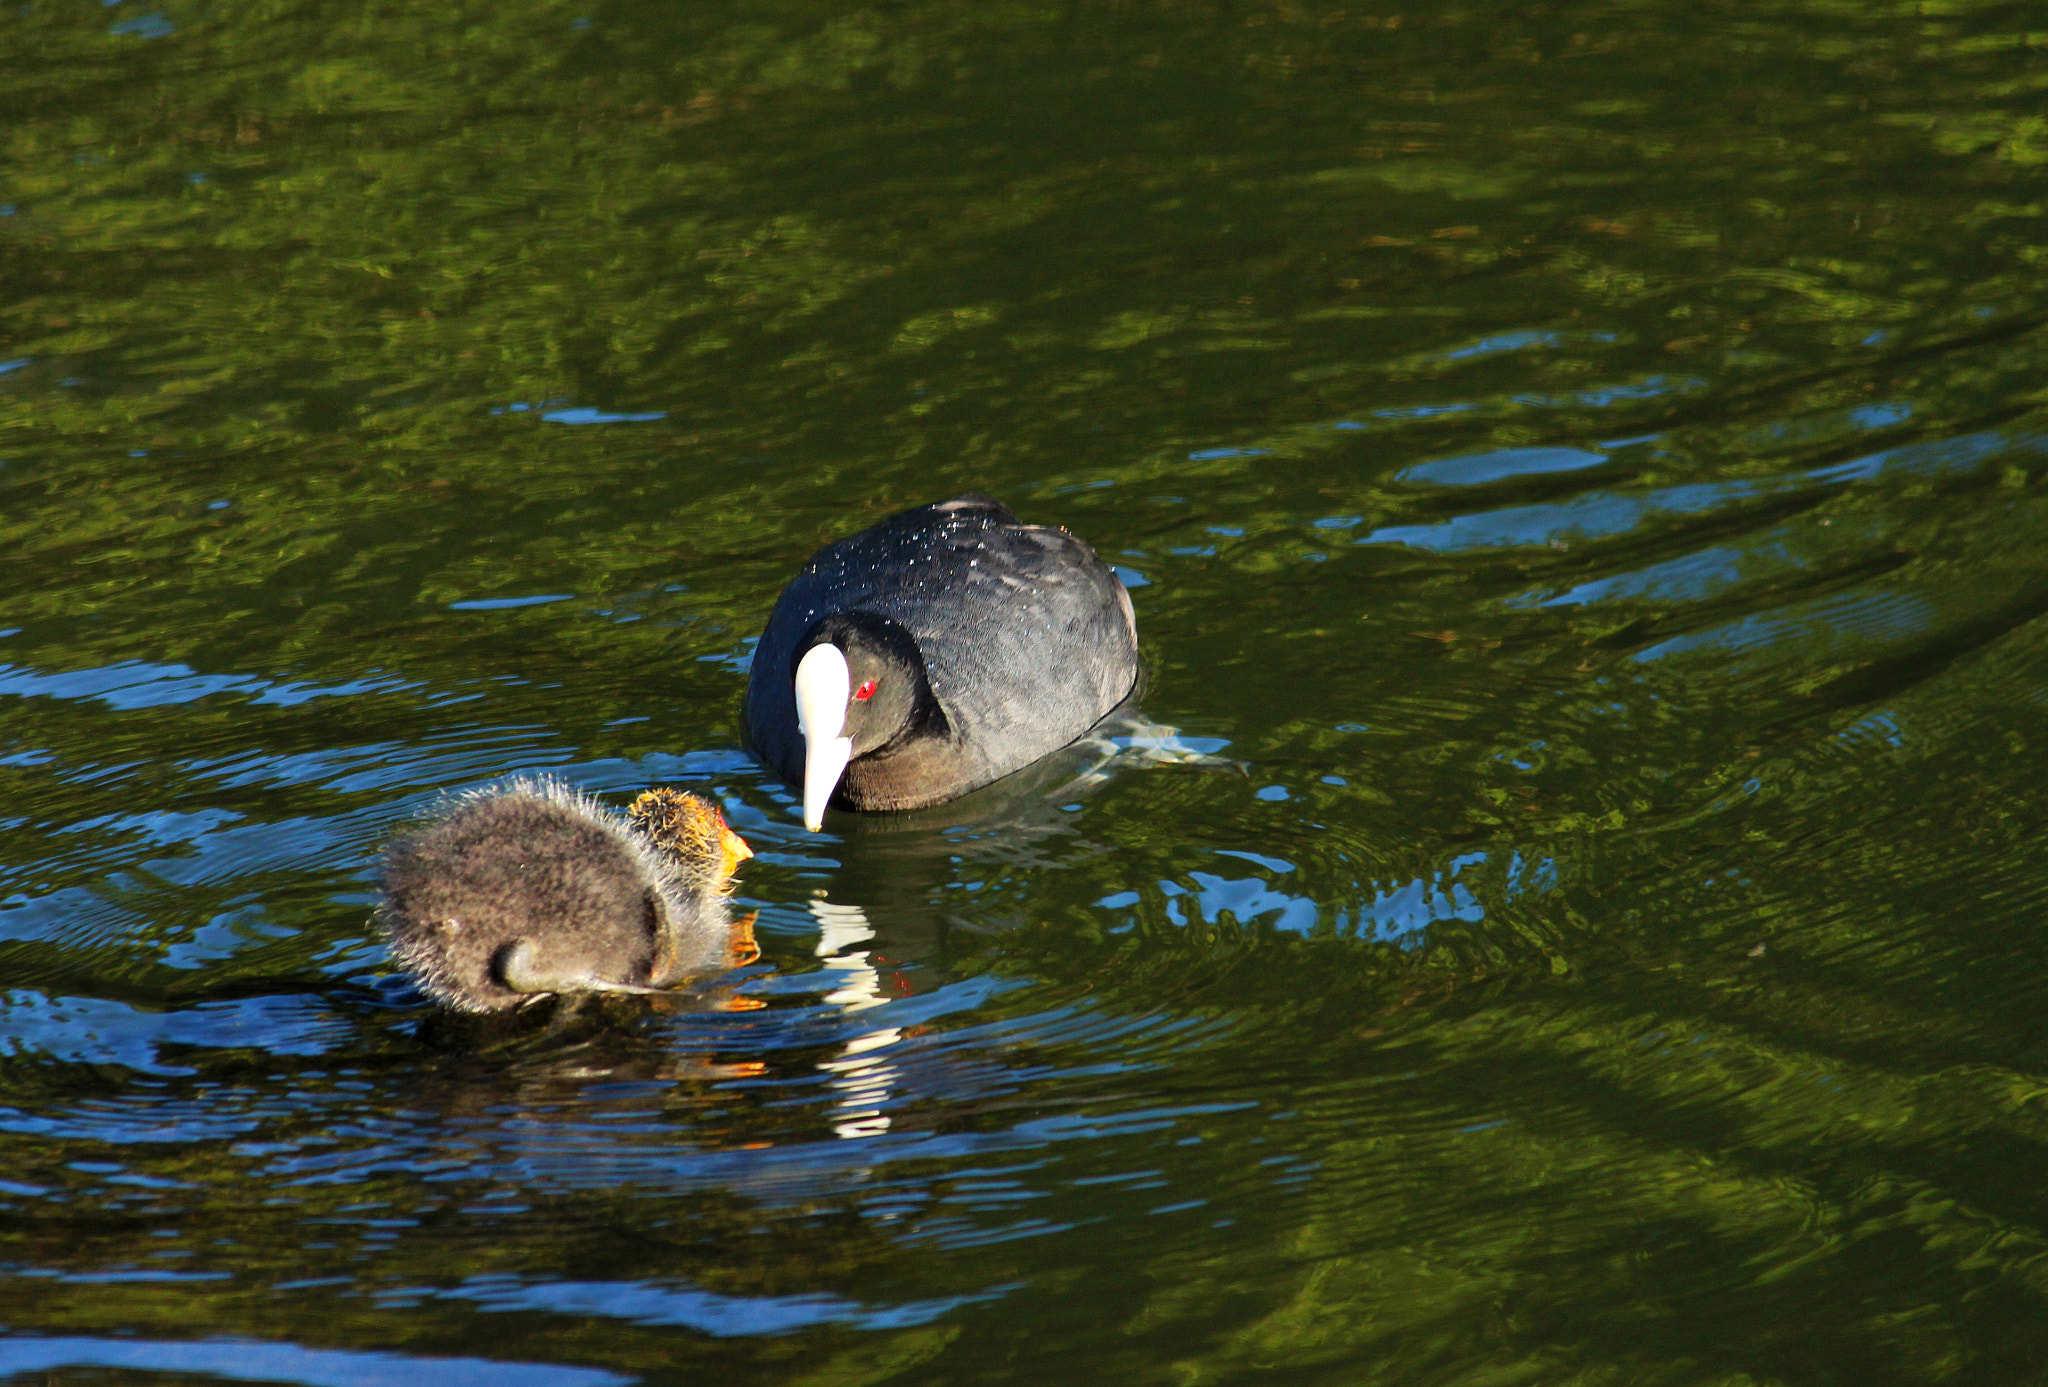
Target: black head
(861, 693)
(889, 696)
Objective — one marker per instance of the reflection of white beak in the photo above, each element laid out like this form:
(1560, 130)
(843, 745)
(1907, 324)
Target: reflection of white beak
(862, 1078)
(822, 685)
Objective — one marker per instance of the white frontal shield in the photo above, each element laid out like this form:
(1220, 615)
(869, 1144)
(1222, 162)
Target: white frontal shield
(822, 687)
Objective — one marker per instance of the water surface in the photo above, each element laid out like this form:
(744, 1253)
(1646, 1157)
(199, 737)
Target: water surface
(1584, 481)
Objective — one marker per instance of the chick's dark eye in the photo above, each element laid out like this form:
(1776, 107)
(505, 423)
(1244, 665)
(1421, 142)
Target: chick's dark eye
(865, 692)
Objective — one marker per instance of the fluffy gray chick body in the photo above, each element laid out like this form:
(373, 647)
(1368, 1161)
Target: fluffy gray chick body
(532, 888)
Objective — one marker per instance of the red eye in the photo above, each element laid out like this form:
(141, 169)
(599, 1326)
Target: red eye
(865, 691)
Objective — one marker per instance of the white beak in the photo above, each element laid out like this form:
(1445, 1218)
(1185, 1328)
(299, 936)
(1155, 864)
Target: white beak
(822, 686)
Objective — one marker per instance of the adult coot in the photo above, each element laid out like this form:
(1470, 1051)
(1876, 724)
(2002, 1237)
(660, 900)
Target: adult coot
(934, 653)
(532, 888)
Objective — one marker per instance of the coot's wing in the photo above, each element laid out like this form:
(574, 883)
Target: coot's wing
(1031, 644)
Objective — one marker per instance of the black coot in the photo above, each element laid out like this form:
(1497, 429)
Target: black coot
(934, 653)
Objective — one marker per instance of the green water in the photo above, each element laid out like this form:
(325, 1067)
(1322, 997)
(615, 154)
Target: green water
(1588, 472)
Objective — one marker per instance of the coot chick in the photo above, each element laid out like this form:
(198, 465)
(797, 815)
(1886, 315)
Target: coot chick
(533, 888)
(934, 653)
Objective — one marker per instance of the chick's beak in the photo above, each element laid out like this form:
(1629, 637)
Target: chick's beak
(732, 850)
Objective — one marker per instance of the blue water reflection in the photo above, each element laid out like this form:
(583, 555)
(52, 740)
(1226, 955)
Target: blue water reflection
(708, 1312)
(1477, 469)
(1399, 912)
(1824, 627)
(1606, 515)
(98, 1031)
(249, 1360)
(137, 684)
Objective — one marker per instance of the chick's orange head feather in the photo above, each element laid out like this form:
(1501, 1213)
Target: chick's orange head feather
(693, 830)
